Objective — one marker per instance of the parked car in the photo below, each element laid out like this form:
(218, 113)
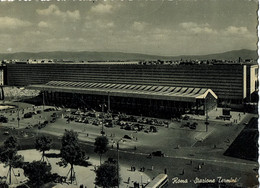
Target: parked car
(28, 115)
(157, 154)
(54, 115)
(111, 160)
(53, 120)
(186, 118)
(193, 125)
(3, 119)
(38, 111)
(127, 137)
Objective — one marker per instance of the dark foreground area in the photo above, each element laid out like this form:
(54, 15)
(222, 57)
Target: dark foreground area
(245, 146)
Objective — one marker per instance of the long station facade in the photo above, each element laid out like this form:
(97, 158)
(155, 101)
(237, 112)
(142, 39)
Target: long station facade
(154, 90)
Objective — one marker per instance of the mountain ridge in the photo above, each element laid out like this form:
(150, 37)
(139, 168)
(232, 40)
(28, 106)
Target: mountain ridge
(123, 56)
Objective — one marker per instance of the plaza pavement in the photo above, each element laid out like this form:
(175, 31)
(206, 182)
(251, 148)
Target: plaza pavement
(180, 145)
(84, 175)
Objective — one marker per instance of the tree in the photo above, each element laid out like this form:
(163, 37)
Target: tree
(101, 144)
(8, 155)
(106, 176)
(38, 173)
(43, 143)
(71, 152)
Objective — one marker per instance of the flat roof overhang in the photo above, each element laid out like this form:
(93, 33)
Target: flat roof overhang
(182, 94)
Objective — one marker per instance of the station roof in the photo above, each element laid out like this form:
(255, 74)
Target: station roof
(127, 90)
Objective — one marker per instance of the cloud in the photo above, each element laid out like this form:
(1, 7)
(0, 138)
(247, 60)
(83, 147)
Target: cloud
(195, 28)
(102, 9)
(98, 24)
(236, 30)
(13, 23)
(53, 10)
(139, 26)
(9, 49)
(43, 24)
(231, 31)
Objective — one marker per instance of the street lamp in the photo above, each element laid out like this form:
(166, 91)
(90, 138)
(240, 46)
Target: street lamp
(206, 113)
(141, 179)
(117, 146)
(18, 116)
(18, 109)
(103, 106)
(43, 101)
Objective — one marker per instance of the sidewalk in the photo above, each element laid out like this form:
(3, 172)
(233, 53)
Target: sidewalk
(213, 114)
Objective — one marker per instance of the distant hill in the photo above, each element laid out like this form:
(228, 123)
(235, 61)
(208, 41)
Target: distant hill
(230, 55)
(120, 56)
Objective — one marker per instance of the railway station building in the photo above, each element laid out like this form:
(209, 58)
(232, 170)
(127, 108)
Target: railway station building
(136, 99)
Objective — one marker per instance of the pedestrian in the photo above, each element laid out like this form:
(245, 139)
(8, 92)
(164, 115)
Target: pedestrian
(128, 180)
(152, 168)
(182, 172)
(190, 162)
(165, 171)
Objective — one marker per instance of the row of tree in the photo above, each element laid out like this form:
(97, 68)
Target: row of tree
(71, 152)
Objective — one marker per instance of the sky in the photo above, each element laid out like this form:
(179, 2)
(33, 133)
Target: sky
(166, 27)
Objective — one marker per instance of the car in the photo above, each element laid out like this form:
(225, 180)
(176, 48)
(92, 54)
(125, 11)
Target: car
(28, 115)
(186, 124)
(157, 154)
(53, 120)
(6, 133)
(3, 119)
(153, 129)
(185, 117)
(28, 127)
(127, 137)
(193, 125)
(111, 160)
(45, 122)
(54, 115)
(85, 121)
(128, 127)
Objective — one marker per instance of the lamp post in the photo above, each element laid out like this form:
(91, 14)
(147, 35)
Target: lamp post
(141, 179)
(206, 113)
(117, 146)
(18, 116)
(102, 130)
(43, 102)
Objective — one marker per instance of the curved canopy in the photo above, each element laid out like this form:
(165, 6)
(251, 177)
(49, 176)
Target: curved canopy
(126, 90)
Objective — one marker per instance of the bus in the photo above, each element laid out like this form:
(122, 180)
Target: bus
(160, 181)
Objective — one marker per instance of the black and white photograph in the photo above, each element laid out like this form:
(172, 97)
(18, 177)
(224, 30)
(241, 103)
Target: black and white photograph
(129, 94)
